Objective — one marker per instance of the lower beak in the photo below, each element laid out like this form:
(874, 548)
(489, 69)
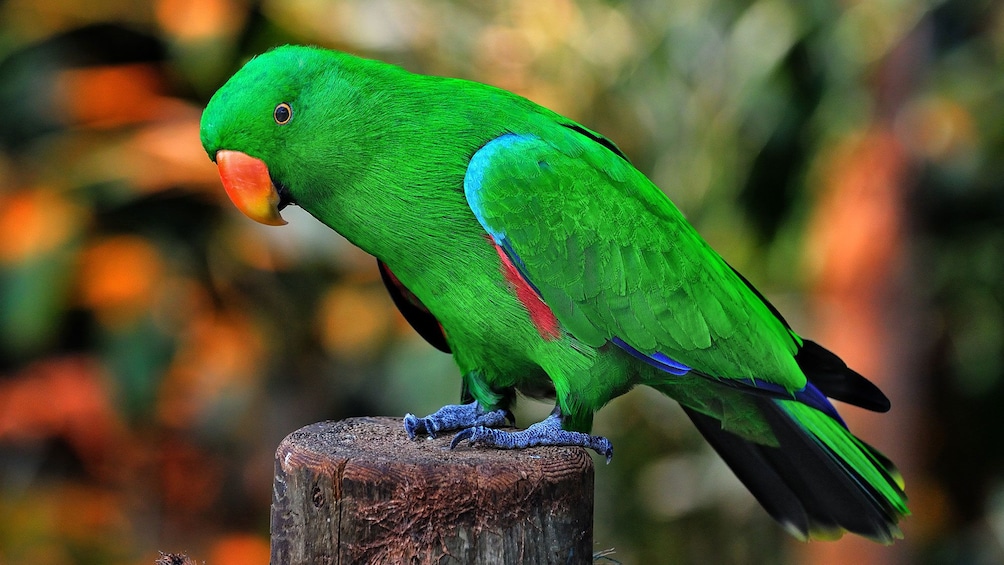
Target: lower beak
(249, 186)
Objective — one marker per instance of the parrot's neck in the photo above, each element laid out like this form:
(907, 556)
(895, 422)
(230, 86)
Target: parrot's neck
(395, 189)
(410, 233)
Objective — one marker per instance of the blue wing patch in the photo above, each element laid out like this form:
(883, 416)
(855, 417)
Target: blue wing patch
(657, 360)
(474, 179)
(809, 395)
(473, 182)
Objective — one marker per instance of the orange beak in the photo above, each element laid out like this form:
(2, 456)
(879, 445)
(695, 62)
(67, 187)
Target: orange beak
(249, 186)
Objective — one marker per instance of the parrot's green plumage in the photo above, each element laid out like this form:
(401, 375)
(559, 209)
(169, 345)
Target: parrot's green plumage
(530, 248)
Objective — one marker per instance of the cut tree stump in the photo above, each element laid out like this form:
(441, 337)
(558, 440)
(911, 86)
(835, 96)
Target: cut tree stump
(359, 491)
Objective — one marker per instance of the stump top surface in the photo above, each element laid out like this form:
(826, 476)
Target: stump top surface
(383, 440)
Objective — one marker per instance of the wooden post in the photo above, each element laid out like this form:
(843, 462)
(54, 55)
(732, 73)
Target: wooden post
(359, 491)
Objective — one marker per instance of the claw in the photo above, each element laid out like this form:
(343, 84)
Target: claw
(413, 425)
(604, 448)
(510, 418)
(464, 434)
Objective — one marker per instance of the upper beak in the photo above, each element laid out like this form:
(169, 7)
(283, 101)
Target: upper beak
(249, 186)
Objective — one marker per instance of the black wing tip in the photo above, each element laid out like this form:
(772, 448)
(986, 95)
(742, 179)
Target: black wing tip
(835, 379)
(826, 370)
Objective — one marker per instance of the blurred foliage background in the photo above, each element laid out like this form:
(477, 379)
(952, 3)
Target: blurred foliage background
(155, 346)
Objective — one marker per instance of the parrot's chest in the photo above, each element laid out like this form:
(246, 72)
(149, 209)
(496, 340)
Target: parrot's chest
(491, 333)
(491, 314)
(488, 315)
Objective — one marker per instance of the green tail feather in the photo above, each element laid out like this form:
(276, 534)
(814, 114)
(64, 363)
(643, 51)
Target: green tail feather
(859, 458)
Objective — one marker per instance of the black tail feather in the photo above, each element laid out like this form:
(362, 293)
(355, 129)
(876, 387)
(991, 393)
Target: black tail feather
(800, 483)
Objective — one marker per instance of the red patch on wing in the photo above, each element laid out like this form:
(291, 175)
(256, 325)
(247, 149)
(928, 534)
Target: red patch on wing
(540, 314)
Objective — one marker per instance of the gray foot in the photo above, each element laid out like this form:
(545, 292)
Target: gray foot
(455, 417)
(547, 432)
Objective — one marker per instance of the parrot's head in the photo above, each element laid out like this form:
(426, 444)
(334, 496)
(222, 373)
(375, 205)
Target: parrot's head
(274, 123)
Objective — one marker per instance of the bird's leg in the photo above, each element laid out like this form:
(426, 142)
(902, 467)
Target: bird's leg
(547, 432)
(456, 417)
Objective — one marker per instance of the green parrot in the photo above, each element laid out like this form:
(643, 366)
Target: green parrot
(531, 249)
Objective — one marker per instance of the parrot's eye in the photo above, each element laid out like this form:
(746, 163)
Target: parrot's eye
(282, 113)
